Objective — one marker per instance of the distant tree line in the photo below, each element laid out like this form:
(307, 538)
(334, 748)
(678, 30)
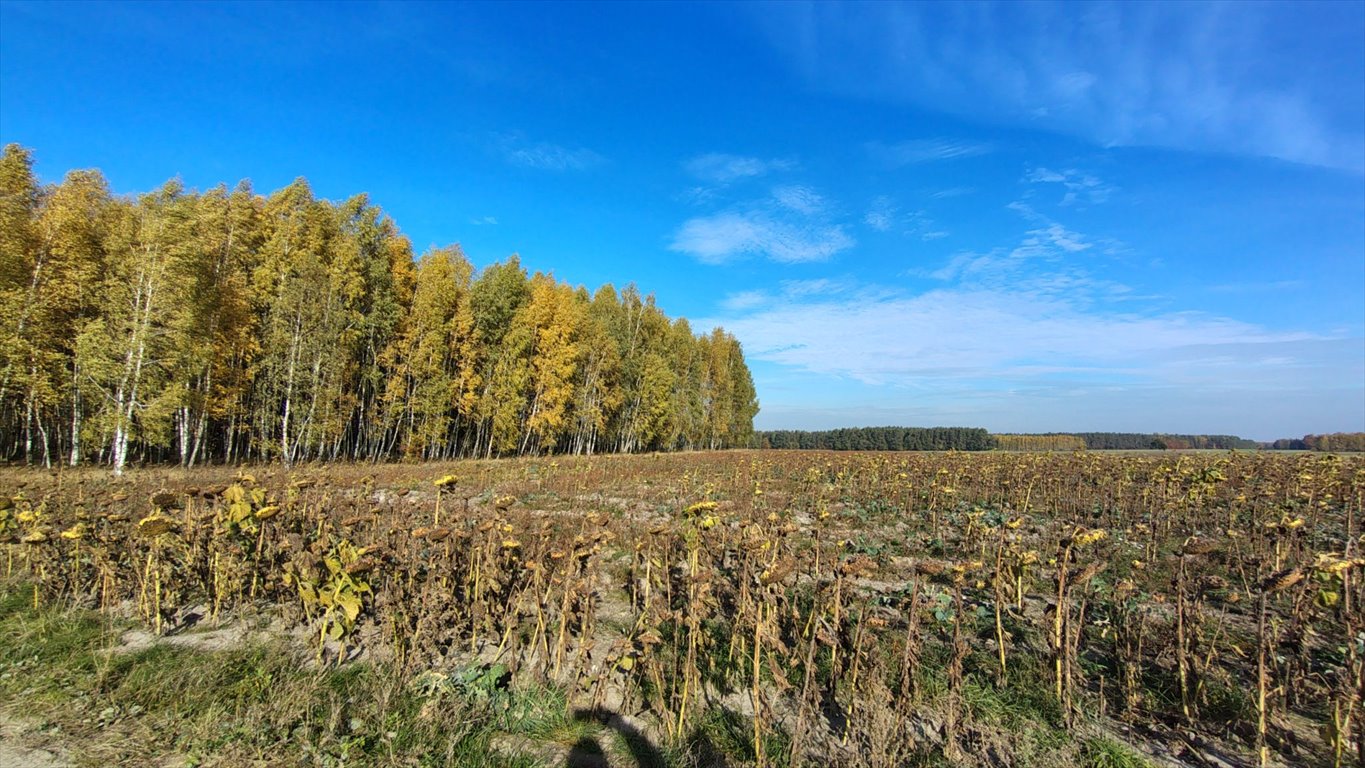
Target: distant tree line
(974, 439)
(880, 439)
(1133, 441)
(187, 327)
(1337, 441)
(1126, 441)
(1049, 442)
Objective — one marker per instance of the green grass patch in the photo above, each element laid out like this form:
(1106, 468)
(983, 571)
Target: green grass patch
(260, 703)
(1103, 752)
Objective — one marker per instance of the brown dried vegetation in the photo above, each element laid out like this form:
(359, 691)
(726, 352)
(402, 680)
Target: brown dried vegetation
(848, 609)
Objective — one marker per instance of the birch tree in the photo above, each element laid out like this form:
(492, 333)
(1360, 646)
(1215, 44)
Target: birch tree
(226, 326)
(124, 353)
(64, 297)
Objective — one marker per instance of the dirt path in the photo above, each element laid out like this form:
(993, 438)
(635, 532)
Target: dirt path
(15, 752)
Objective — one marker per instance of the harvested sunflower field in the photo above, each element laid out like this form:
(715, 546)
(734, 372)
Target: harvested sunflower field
(734, 608)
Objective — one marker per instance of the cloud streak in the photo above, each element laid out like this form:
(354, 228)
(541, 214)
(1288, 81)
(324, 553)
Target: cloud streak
(792, 225)
(883, 337)
(801, 199)
(718, 239)
(1015, 357)
(545, 156)
(1041, 263)
(720, 168)
(1080, 187)
(1211, 77)
(919, 151)
(882, 215)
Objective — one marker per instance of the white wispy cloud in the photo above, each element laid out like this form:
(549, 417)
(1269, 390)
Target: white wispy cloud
(801, 199)
(719, 238)
(1080, 187)
(1212, 77)
(1038, 354)
(1022, 324)
(545, 156)
(743, 300)
(879, 336)
(878, 220)
(881, 215)
(699, 195)
(920, 224)
(1056, 235)
(1049, 234)
(1045, 262)
(793, 224)
(786, 291)
(925, 151)
(823, 286)
(884, 215)
(720, 168)
(480, 221)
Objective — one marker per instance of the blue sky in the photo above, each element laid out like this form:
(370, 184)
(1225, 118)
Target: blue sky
(1026, 217)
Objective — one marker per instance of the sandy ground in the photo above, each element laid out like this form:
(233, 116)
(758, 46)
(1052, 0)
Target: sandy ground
(16, 752)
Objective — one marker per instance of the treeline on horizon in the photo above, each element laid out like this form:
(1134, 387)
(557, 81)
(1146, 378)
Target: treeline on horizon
(1336, 442)
(179, 326)
(1122, 441)
(975, 439)
(879, 439)
(1340, 442)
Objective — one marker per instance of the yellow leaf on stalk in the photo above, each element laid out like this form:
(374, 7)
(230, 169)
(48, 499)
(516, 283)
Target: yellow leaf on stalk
(1332, 565)
(350, 604)
(239, 511)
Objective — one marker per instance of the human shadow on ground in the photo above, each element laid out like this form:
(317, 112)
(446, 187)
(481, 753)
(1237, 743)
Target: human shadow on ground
(588, 752)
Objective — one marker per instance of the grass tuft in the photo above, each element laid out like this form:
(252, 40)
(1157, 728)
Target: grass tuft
(1104, 752)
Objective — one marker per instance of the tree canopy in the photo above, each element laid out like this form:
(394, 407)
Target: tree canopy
(226, 325)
